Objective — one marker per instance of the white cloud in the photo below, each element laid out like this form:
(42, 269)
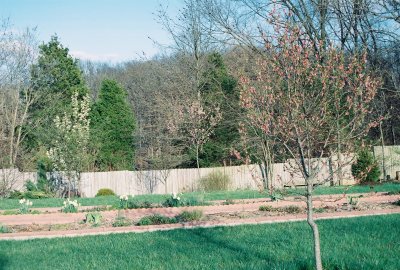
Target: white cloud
(111, 57)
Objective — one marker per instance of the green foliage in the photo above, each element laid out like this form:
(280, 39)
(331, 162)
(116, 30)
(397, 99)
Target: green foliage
(266, 208)
(156, 219)
(113, 125)
(215, 181)
(43, 184)
(36, 195)
(221, 88)
(70, 206)
(121, 222)
(4, 229)
(54, 79)
(189, 216)
(93, 218)
(173, 201)
(105, 192)
(16, 194)
(135, 204)
(292, 209)
(365, 169)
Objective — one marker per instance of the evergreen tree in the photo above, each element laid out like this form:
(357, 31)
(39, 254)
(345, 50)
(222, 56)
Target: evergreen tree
(113, 126)
(220, 88)
(54, 79)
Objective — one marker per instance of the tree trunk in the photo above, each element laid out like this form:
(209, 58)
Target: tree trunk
(383, 151)
(313, 225)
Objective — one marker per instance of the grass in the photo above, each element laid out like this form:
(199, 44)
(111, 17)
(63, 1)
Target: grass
(6, 204)
(356, 243)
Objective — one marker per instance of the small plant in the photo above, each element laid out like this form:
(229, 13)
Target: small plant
(365, 169)
(353, 201)
(188, 216)
(266, 208)
(70, 206)
(173, 201)
(24, 205)
(105, 192)
(319, 210)
(4, 229)
(397, 203)
(215, 181)
(228, 202)
(134, 204)
(292, 209)
(156, 219)
(121, 221)
(93, 218)
(123, 201)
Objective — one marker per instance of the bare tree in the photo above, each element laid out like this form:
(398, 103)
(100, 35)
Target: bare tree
(17, 53)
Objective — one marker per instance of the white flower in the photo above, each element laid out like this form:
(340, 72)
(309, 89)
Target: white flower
(123, 197)
(178, 198)
(22, 201)
(174, 195)
(29, 203)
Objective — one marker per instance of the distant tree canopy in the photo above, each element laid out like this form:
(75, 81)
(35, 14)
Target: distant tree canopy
(113, 125)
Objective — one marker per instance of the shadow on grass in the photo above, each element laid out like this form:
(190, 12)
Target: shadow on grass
(3, 261)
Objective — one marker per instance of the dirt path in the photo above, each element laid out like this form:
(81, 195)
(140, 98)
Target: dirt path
(200, 224)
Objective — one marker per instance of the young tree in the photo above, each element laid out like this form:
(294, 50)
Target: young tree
(113, 126)
(292, 100)
(69, 151)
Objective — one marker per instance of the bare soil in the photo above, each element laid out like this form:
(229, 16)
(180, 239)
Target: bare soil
(56, 224)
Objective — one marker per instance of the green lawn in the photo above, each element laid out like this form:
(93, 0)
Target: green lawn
(356, 243)
(222, 195)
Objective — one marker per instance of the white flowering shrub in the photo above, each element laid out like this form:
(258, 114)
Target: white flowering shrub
(70, 206)
(24, 205)
(69, 152)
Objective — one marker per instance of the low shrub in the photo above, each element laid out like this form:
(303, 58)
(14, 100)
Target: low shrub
(397, 203)
(105, 192)
(121, 222)
(292, 209)
(215, 181)
(228, 202)
(4, 229)
(15, 194)
(93, 218)
(134, 204)
(36, 195)
(156, 219)
(365, 169)
(266, 208)
(188, 216)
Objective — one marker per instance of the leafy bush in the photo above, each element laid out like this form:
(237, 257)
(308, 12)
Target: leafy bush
(37, 195)
(105, 192)
(93, 218)
(134, 204)
(121, 222)
(188, 216)
(215, 181)
(228, 202)
(4, 229)
(15, 194)
(365, 169)
(156, 219)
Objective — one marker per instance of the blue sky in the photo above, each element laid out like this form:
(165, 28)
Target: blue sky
(99, 30)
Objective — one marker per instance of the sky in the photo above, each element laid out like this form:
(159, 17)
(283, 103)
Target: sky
(97, 30)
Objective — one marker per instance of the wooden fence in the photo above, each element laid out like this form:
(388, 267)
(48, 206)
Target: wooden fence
(184, 180)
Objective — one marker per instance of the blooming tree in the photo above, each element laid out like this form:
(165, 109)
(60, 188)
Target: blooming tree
(69, 150)
(302, 97)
